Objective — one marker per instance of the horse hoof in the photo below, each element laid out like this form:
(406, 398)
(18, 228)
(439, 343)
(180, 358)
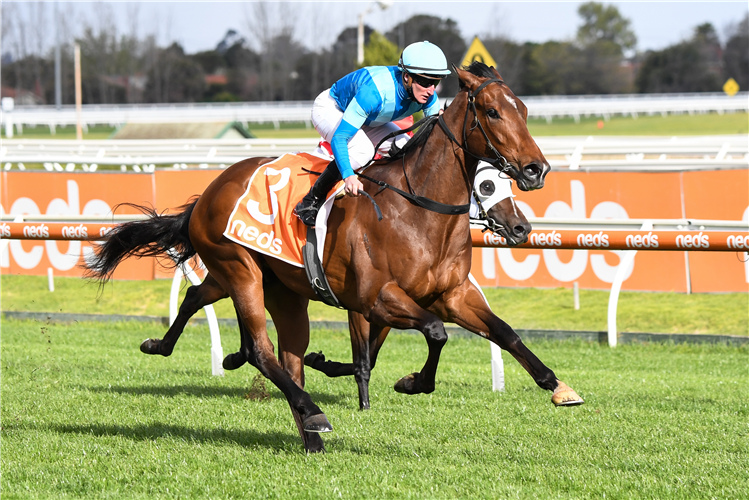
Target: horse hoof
(151, 346)
(313, 358)
(233, 361)
(317, 423)
(407, 385)
(564, 395)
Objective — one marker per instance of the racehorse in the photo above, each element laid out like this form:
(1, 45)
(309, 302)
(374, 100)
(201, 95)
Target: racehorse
(492, 206)
(407, 271)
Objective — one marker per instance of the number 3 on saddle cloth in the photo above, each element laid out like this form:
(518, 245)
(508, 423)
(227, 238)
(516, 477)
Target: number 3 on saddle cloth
(262, 218)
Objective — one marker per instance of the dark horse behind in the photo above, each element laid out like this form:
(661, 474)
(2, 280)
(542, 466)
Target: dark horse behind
(409, 271)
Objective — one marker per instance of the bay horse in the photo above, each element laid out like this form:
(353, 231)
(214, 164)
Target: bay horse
(408, 271)
(492, 196)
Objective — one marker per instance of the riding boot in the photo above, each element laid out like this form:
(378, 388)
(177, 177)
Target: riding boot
(307, 209)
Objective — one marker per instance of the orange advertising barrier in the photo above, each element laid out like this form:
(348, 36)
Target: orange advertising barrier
(715, 195)
(716, 241)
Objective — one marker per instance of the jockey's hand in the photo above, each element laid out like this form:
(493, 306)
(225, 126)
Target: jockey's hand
(352, 185)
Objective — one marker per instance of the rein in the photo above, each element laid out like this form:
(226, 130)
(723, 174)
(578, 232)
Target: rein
(421, 201)
(499, 162)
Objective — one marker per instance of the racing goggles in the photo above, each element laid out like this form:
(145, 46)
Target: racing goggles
(425, 81)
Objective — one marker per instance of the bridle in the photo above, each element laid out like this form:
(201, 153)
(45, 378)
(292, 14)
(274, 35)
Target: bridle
(499, 162)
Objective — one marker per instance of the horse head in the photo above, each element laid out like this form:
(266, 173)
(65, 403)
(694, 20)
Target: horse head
(504, 217)
(496, 129)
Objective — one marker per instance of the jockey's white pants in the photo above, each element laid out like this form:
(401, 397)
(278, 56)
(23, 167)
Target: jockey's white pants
(326, 116)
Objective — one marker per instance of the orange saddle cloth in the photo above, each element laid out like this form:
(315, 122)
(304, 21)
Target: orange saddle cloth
(263, 217)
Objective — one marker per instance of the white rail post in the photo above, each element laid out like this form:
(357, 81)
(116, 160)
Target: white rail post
(498, 367)
(217, 352)
(624, 264)
(7, 105)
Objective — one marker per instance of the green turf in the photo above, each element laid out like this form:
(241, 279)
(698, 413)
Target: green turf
(670, 125)
(86, 415)
(95, 132)
(522, 308)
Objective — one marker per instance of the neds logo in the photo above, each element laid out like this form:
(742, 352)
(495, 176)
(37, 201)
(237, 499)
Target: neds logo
(75, 232)
(698, 240)
(599, 240)
(494, 239)
(552, 239)
(40, 231)
(738, 241)
(649, 240)
(4, 230)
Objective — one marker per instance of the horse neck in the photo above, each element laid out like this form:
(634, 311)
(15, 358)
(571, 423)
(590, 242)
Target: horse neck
(440, 170)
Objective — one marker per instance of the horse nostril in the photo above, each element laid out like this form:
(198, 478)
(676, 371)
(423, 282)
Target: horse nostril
(519, 231)
(532, 170)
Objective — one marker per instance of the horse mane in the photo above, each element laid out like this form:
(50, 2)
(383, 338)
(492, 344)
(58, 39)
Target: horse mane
(477, 68)
(419, 138)
(480, 69)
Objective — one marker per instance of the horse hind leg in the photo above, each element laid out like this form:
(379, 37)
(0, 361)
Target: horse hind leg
(196, 298)
(239, 273)
(396, 309)
(289, 313)
(245, 354)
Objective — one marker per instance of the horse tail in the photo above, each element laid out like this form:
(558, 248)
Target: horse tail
(157, 235)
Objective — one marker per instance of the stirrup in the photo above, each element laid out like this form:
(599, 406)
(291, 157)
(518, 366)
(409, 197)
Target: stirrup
(307, 213)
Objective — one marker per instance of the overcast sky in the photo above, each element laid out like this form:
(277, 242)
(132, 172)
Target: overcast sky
(200, 26)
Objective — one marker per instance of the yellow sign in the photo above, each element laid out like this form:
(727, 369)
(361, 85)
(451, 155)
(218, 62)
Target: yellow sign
(477, 52)
(731, 87)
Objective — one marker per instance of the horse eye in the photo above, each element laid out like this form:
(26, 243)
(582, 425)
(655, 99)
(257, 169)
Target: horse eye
(486, 188)
(492, 113)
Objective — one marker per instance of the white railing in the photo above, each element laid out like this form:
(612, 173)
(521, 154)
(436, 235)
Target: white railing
(601, 153)
(547, 107)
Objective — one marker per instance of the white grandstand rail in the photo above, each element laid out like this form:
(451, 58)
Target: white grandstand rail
(547, 107)
(574, 153)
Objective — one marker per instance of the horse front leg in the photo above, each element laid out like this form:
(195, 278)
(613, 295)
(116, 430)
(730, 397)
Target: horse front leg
(196, 298)
(467, 307)
(393, 307)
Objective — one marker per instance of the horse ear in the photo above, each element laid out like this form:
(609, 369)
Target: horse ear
(496, 73)
(466, 78)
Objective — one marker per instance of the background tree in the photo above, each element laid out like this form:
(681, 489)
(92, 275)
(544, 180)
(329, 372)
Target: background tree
(604, 23)
(175, 77)
(690, 66)
(736, 54)
(380, 51)
(444, 33)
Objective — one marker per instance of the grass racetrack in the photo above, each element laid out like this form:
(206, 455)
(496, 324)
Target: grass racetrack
(523, 308)
(670, 125)
(86, 415)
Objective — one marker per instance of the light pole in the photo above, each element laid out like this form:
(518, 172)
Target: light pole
(382, 4)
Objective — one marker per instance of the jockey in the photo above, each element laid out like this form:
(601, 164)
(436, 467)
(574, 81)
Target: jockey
(358, 111)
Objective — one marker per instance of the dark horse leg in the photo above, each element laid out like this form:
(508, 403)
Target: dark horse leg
(289, 313)
(396, 309)
(466, 306)
(239, 272)
(197, 297)
(366, 341)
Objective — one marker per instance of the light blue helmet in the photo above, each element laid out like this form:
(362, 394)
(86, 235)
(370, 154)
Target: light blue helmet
(424, 58)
